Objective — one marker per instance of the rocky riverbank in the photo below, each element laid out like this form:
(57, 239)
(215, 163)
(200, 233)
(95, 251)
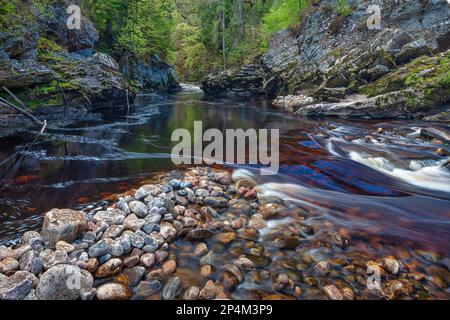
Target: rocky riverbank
(400, 70)
(210, 235)
(41, 57)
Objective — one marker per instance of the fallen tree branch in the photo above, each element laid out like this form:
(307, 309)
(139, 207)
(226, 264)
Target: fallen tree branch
(62, 93)
(28, 115)
(128, 102)
(15, 98)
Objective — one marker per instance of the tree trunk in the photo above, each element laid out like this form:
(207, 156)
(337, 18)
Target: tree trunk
(223, 40)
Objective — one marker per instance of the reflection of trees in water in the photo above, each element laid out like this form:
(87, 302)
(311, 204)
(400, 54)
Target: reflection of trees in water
(61, 182)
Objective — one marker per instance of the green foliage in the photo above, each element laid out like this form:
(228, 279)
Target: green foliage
(283, 15)
(428, 77)
(16, 16)
(343, 8)
(211, 35)
(48, 50)
(142, 27)
(192, 57)
(7, 14)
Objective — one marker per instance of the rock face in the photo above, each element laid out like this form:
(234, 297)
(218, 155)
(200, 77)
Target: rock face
(333, 56)
(327, 40)
(154, 74)
(45, 47)
(63, 282)
(245, 81)
(63, 224)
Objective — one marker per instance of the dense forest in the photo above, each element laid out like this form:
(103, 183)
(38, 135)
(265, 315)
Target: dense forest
(197, 36)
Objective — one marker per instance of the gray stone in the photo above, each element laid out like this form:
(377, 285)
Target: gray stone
(113, 291)
(88, 294)
(138, 208)
(111, 217)
(51, 258)
(152, 218)
(216, 202)
(63, 282)
(413, 50)
(147, 190)
(171, 289)
(99, 249)
(116, 250)
(137, 241)
(113, 231)
(147, 288)
(133, 223)
(17, 286)
(31, 262)
(31, 235)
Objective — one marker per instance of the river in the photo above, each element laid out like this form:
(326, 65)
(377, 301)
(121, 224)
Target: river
(385, 186)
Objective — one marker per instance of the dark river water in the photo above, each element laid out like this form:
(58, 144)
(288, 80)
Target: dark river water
(388, 184)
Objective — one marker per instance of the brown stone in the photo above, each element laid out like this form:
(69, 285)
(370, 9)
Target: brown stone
(209, 291)
(113, 291)
(201, 249)
(229, 281)
(92, 265)
(9, 264)
(109, 269)
(206, 271)
(64, 225)
(131, 261)
(227, 237)
(169, 267)
(333, 293)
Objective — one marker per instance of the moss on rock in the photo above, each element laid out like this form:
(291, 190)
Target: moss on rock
(429, 77)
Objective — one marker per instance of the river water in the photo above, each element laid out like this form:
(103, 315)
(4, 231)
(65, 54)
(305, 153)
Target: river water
(390, 185)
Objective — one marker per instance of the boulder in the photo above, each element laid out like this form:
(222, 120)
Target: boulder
(113, 291)
(63, 282)
(74, 40)
(111, 217)
(413, 50)
(63, 224)
(292, 103)
(153, 74)
(17, 286)
(247, 80)
(106, 60)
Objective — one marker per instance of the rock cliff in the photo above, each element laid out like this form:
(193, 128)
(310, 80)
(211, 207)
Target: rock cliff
(334, 55)
(41, 51)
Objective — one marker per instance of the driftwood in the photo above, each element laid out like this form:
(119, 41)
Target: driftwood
(28, 115)
(128, 102)
(15, 98)
(62, 93)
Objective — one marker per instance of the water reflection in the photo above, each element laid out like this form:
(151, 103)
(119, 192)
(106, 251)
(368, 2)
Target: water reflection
(89, 161)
